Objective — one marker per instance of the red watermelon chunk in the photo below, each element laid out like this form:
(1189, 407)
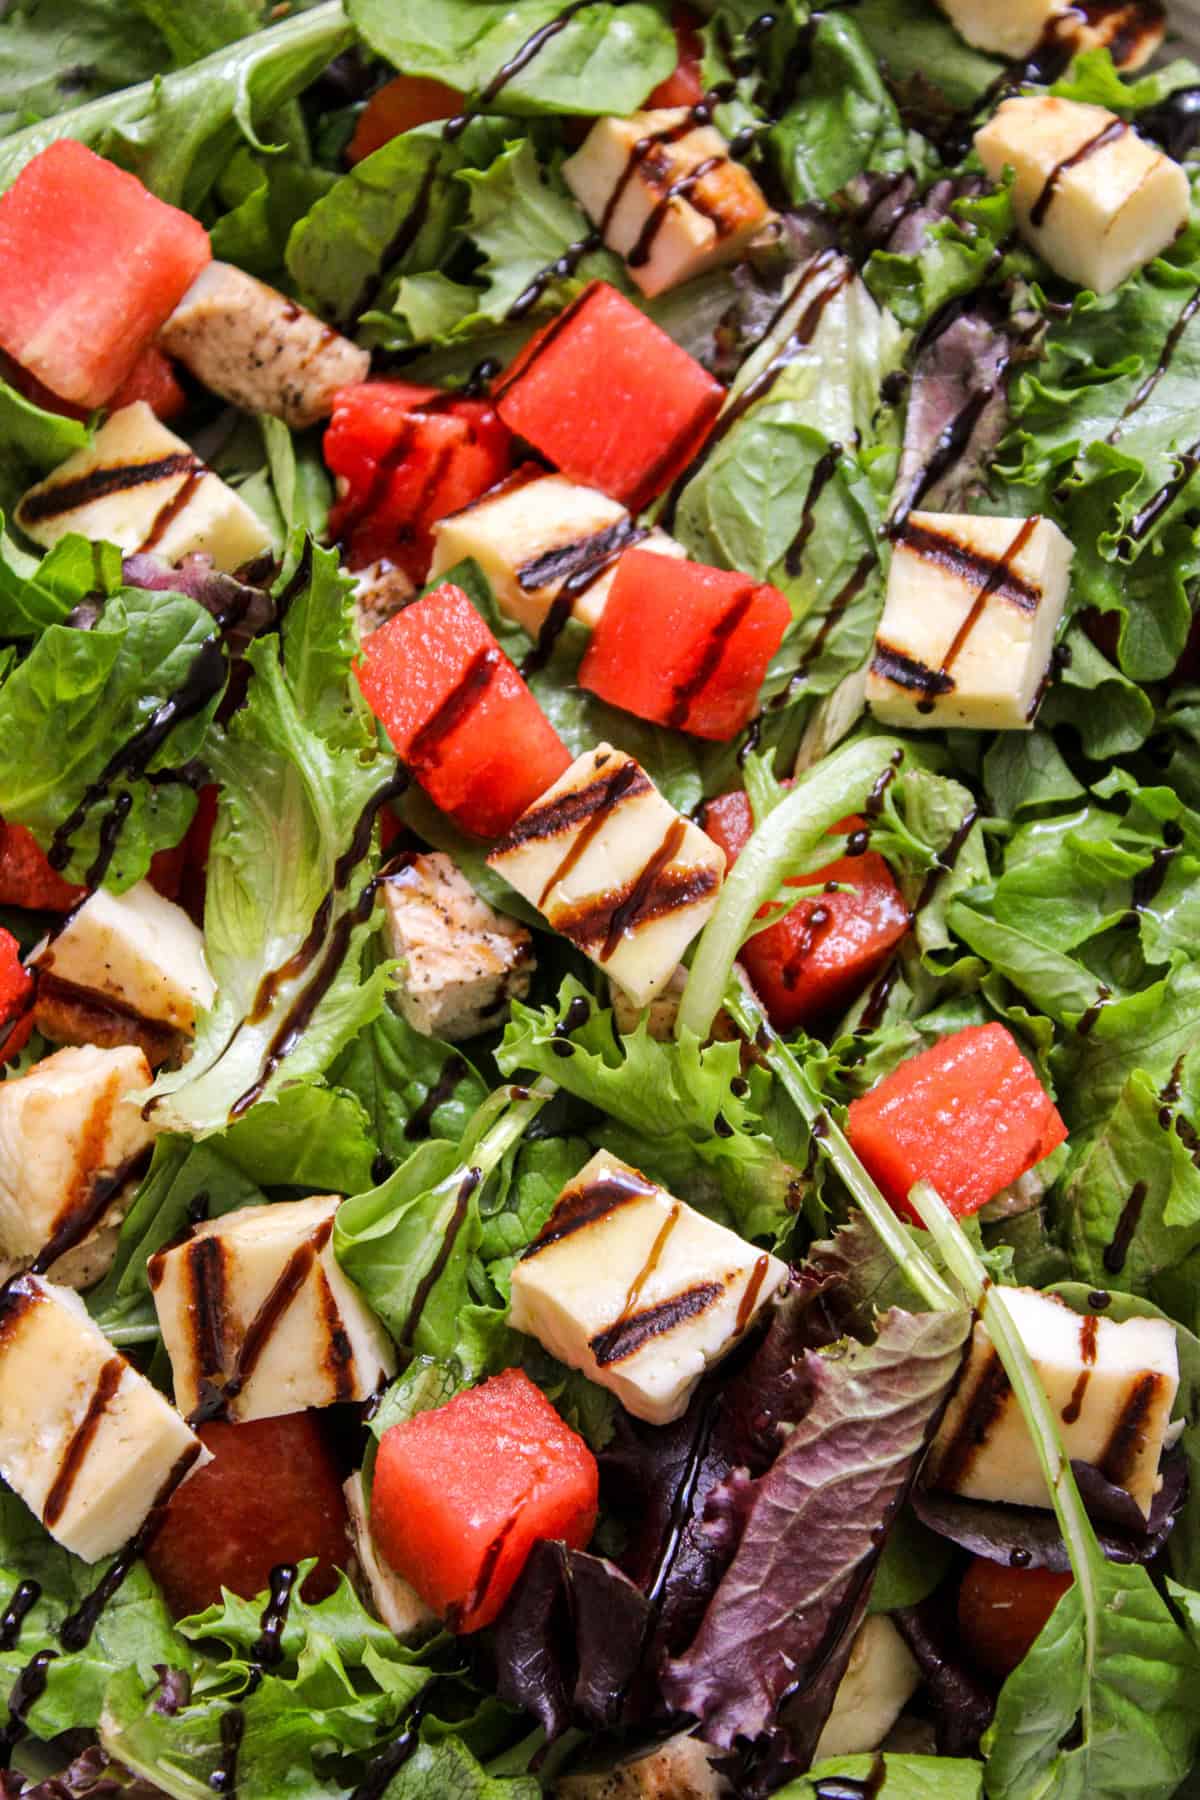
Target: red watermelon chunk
(16, 998)
(153, 380)
(969, 1114)
(609, 398)
(713, 632)
(26, 878)
(459, 714)
(91, 267)
(462, 1494)
(818, 958)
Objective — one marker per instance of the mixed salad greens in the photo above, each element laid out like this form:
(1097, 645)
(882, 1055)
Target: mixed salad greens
(1050, 879)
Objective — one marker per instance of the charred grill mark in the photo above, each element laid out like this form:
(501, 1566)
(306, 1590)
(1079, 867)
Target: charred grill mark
(98, 483)
(709, 662)
(750, 1293)
(580, 1207)
(291, 1280)
(206, 1275)
(101, 1191)
(461, 1611)
(996, 574)
(580, 553)
(907, 672)
(170, 510)
(552, 817)
(338, 1356)
(1109, 134)
(980, 1412)
(112, 1005)
(629, 1335)
(627, 912)
(1088, 1330)
(609, 793)
(1127, 1441)
(473, 684)
(592, 920)
(82, 1438)
(991, 586)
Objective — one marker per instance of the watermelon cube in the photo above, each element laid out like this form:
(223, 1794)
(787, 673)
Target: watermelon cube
(714, 634)
(26, 878)
(969, 1114)
(463, 1493)
(609, 398)
(91, 267)
(459, 714)
(16, 998)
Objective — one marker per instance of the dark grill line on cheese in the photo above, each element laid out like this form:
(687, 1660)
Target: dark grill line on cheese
(81, 1440)
(605, 795)
(1118, 1459)
(587, 1205)
(655, 892)
(101, 1192)
(1001, 580)
(551, 817)
(99, 483)
(1088, 1330)
(984, 1406)
(624, 535)
(685, 188)
(629, 1335)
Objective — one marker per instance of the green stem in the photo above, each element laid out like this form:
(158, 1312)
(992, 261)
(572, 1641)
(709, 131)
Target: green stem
(913, 1263)
(821, 797)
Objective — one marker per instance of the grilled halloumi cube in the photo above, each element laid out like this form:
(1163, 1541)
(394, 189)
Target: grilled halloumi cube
(681, 1769)
(665, 195)
(88, 1443)
(967, 633)
(1132, 33)
(881, 1678)
(258, 1318)
(535, 538)
(1091, 196)
(127, 961)
(615, 868)
(140, 487)
(399, 1606)
(71, 1135)
(1112, 1384)
(463, 962)
(660, 1014)
(258, 349)
(638, 1290)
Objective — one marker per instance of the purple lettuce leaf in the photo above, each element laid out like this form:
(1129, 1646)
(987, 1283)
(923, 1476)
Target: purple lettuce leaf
(814, 1525)
(962, 1699)
(242, 610)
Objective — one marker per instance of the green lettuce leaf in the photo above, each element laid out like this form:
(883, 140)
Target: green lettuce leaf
(843, 120)
(308, 1136)
(35, 594)
(56, 53)
(75, 703)
(603, 59)
(930, 70)
(904, 1777)
(394, 1072)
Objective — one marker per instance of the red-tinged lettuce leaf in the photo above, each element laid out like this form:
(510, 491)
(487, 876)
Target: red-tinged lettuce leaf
(962, 1699)
(813, 1528)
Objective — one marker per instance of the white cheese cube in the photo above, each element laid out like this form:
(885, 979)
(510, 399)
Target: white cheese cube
(258, 1318)
(1113, 1386)
(638, 1290)
(1132, 32)
(1092, 197)
(534, 537)
(136, 953)
(665, 195)
(71, 1131)
(463, 962)
(140, 487)
(615, 868)
(968, 627)
(88, 1443)
(399, 1606)
(255, 347)
(681, 1769)
(881, 1678)
(1014, 29)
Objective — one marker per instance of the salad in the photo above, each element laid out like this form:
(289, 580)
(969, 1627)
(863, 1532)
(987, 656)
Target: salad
(599, 900)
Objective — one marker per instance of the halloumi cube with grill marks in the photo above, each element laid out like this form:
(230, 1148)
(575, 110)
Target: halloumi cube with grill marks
(666, 195)
(463, 961)
(615, 868)
(140, 487)
(70, 1129)
(1015, 28)
(258, 1318)
(388, 1594)
(968, 627)
(638, 1290)
(135, 953)
(88, 1443)
(1112, 1384)
(535, 536)
(1091, 196)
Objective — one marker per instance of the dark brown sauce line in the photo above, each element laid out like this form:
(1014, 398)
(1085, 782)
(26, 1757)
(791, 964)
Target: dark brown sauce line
(443, 1089)
(1109, 133)
(81, 1440)
(287, 1286)
(999, 576)
(467, 1187)
(626, 913)
(683, 189)
(1171, 344)
(170, 510)
(691, 688)
(586, 1206)
(611, 792)
(84, 1218)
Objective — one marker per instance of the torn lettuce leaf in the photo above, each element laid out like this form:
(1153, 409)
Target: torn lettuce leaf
(904, 1778)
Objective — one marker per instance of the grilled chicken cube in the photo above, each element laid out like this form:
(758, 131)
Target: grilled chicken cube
(390, 1597)
(665, 195)
(71, 1137)
(258, 1318)
(140, 487)
(381, 590)
(89, 1444)
(1131, 32)
(258, 349)
(881, 1678)
(1091, 196)
(638, 1290)
(1112, 1384)
(126, 968)
(536, 538)
(681, 1769)
(463, 962)
(616, 869)
(973, 605)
